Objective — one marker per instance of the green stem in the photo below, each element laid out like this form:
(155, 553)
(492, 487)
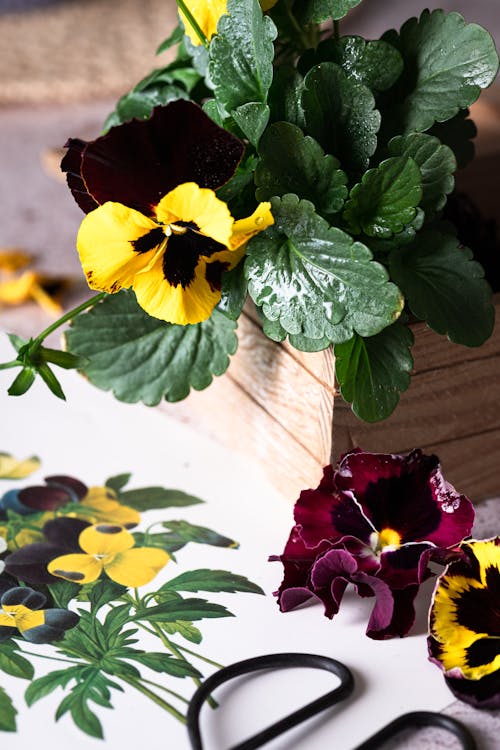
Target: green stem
(7, 365)
(193, 23)
(202, 658)
(68, 316)
(336, 30)
(165, 690)
(52, 658)
(155, 698)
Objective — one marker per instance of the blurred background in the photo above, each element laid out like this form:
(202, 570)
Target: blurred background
(63, 63)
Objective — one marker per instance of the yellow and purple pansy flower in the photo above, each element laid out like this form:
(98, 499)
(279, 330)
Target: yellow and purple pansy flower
(374, 521)
(154, 222)
(464, 624)
(21, 612)
(207, 14)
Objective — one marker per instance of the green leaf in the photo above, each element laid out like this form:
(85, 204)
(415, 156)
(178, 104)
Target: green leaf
(212, 580)
(22, 382)
(200, 534)
(151, 498)
(252, 118)
(236, 185)
(234, 292)
(241, 55)
(166, 664)
(8, 713)
(445, 287)
(17, 342)
(48, 683)
(175, 37)
(380, 247)
(294, 163)
(104, 592)
(51, 381)
(275, 331)
(186, 629)
(457, 133)
(386, 199)
(118, 482)
(141, 358)
(340, 114)
(285, 96)
(77, 704)
(168, 541)
(66, 360)
(315, 279)
(437, 165)
(376, 64)
(373, 371)
(63, 592)
(13, 663)
(317, 11)
(447, 63)
(185, 609)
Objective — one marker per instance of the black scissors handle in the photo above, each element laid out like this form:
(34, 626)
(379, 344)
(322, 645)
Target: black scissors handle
(417, 719)
(271, 661)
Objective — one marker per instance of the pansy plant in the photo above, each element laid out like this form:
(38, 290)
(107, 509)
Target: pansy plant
(277, 159)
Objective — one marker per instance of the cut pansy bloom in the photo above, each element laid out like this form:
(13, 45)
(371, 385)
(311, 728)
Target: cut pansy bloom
(374, 521)
(464, 624)
(21, 611)
(108, 548)
(155, 223)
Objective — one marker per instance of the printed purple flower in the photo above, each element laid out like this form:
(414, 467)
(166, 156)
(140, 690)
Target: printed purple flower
(375, 521)
(21, 611)
(464, 624)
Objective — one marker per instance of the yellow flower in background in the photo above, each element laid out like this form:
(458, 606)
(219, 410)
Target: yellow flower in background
(101, 505)
(173, 261)
(13, 259)
(109, 548)
(28, 286)
(13, 468)
(207, 14)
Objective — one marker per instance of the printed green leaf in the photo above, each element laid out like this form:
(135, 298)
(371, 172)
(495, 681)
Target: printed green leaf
(437, 165)
(445, 287)
(184, 609)
(13, 663)
(103, 592)
(315, 279)
(373, 371)
(169, 542)
(386, 199)
(447, 63)
(234, 292)
(457, 133)
(316, 11)
(340, 114)
(63, 592)
(8, 713)
(45, 685)
(151, 498)
(376, 64)
(184, 628)
(294, 163)
(77, 704)
(241, 55)
(166, 664)
(118, 482)
(252, 118)
(212, 580)
(200, 534)
(141, 358)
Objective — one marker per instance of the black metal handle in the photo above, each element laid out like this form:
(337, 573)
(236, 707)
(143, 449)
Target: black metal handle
(271, 661)
(416, 719)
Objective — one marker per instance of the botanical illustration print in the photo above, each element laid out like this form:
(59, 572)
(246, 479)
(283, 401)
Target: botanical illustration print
(71, 570)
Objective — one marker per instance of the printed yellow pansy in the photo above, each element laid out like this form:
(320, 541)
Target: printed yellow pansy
(13, 468)
(173, 261)
(109, 548)
(100, 504)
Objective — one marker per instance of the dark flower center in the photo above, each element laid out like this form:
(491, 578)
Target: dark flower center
(183, 253)
(478, 609)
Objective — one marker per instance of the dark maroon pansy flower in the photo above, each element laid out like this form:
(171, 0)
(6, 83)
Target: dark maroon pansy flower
(375, 521)
(140, 161)
(30, 562)
(57, 492)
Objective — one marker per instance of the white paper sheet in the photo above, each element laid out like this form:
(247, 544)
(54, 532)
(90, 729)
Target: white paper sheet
(92, 436)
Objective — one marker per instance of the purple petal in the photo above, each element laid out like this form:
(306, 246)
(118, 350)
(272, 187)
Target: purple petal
(138, 162)
(41, 498)
(402, 617)
(330, 575)
(30, 562)
(24, 595)
(70, 484)
(297, 560)
(406, 565)
(65, 532)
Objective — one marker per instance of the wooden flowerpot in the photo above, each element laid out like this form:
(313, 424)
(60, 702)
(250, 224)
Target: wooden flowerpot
(278, 405)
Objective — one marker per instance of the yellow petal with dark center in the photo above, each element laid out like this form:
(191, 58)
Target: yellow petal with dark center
(104, 243)
(12, 468)
(7, 621)
(191, 203)
(76, 568)
(206, 14)
(136, 567)
(105, 539)
(100, 501)
(487, 554)
(30, 619)
(176, 304)
(245, 229)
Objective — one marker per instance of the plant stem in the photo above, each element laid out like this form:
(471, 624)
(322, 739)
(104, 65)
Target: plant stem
(165, 690)
(68, 316)
(52, 658)
(7, 365)
(202, 658)
(193, 23)
(336, 30)
(155, 698)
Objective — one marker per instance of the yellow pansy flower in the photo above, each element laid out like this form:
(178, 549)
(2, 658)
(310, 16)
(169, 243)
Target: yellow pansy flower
(207, 14)
(109, 548)
(174, 260)
(13, 468)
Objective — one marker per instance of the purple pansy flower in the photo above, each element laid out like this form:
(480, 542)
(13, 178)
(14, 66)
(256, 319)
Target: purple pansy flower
(22, 612)
(374, 521)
